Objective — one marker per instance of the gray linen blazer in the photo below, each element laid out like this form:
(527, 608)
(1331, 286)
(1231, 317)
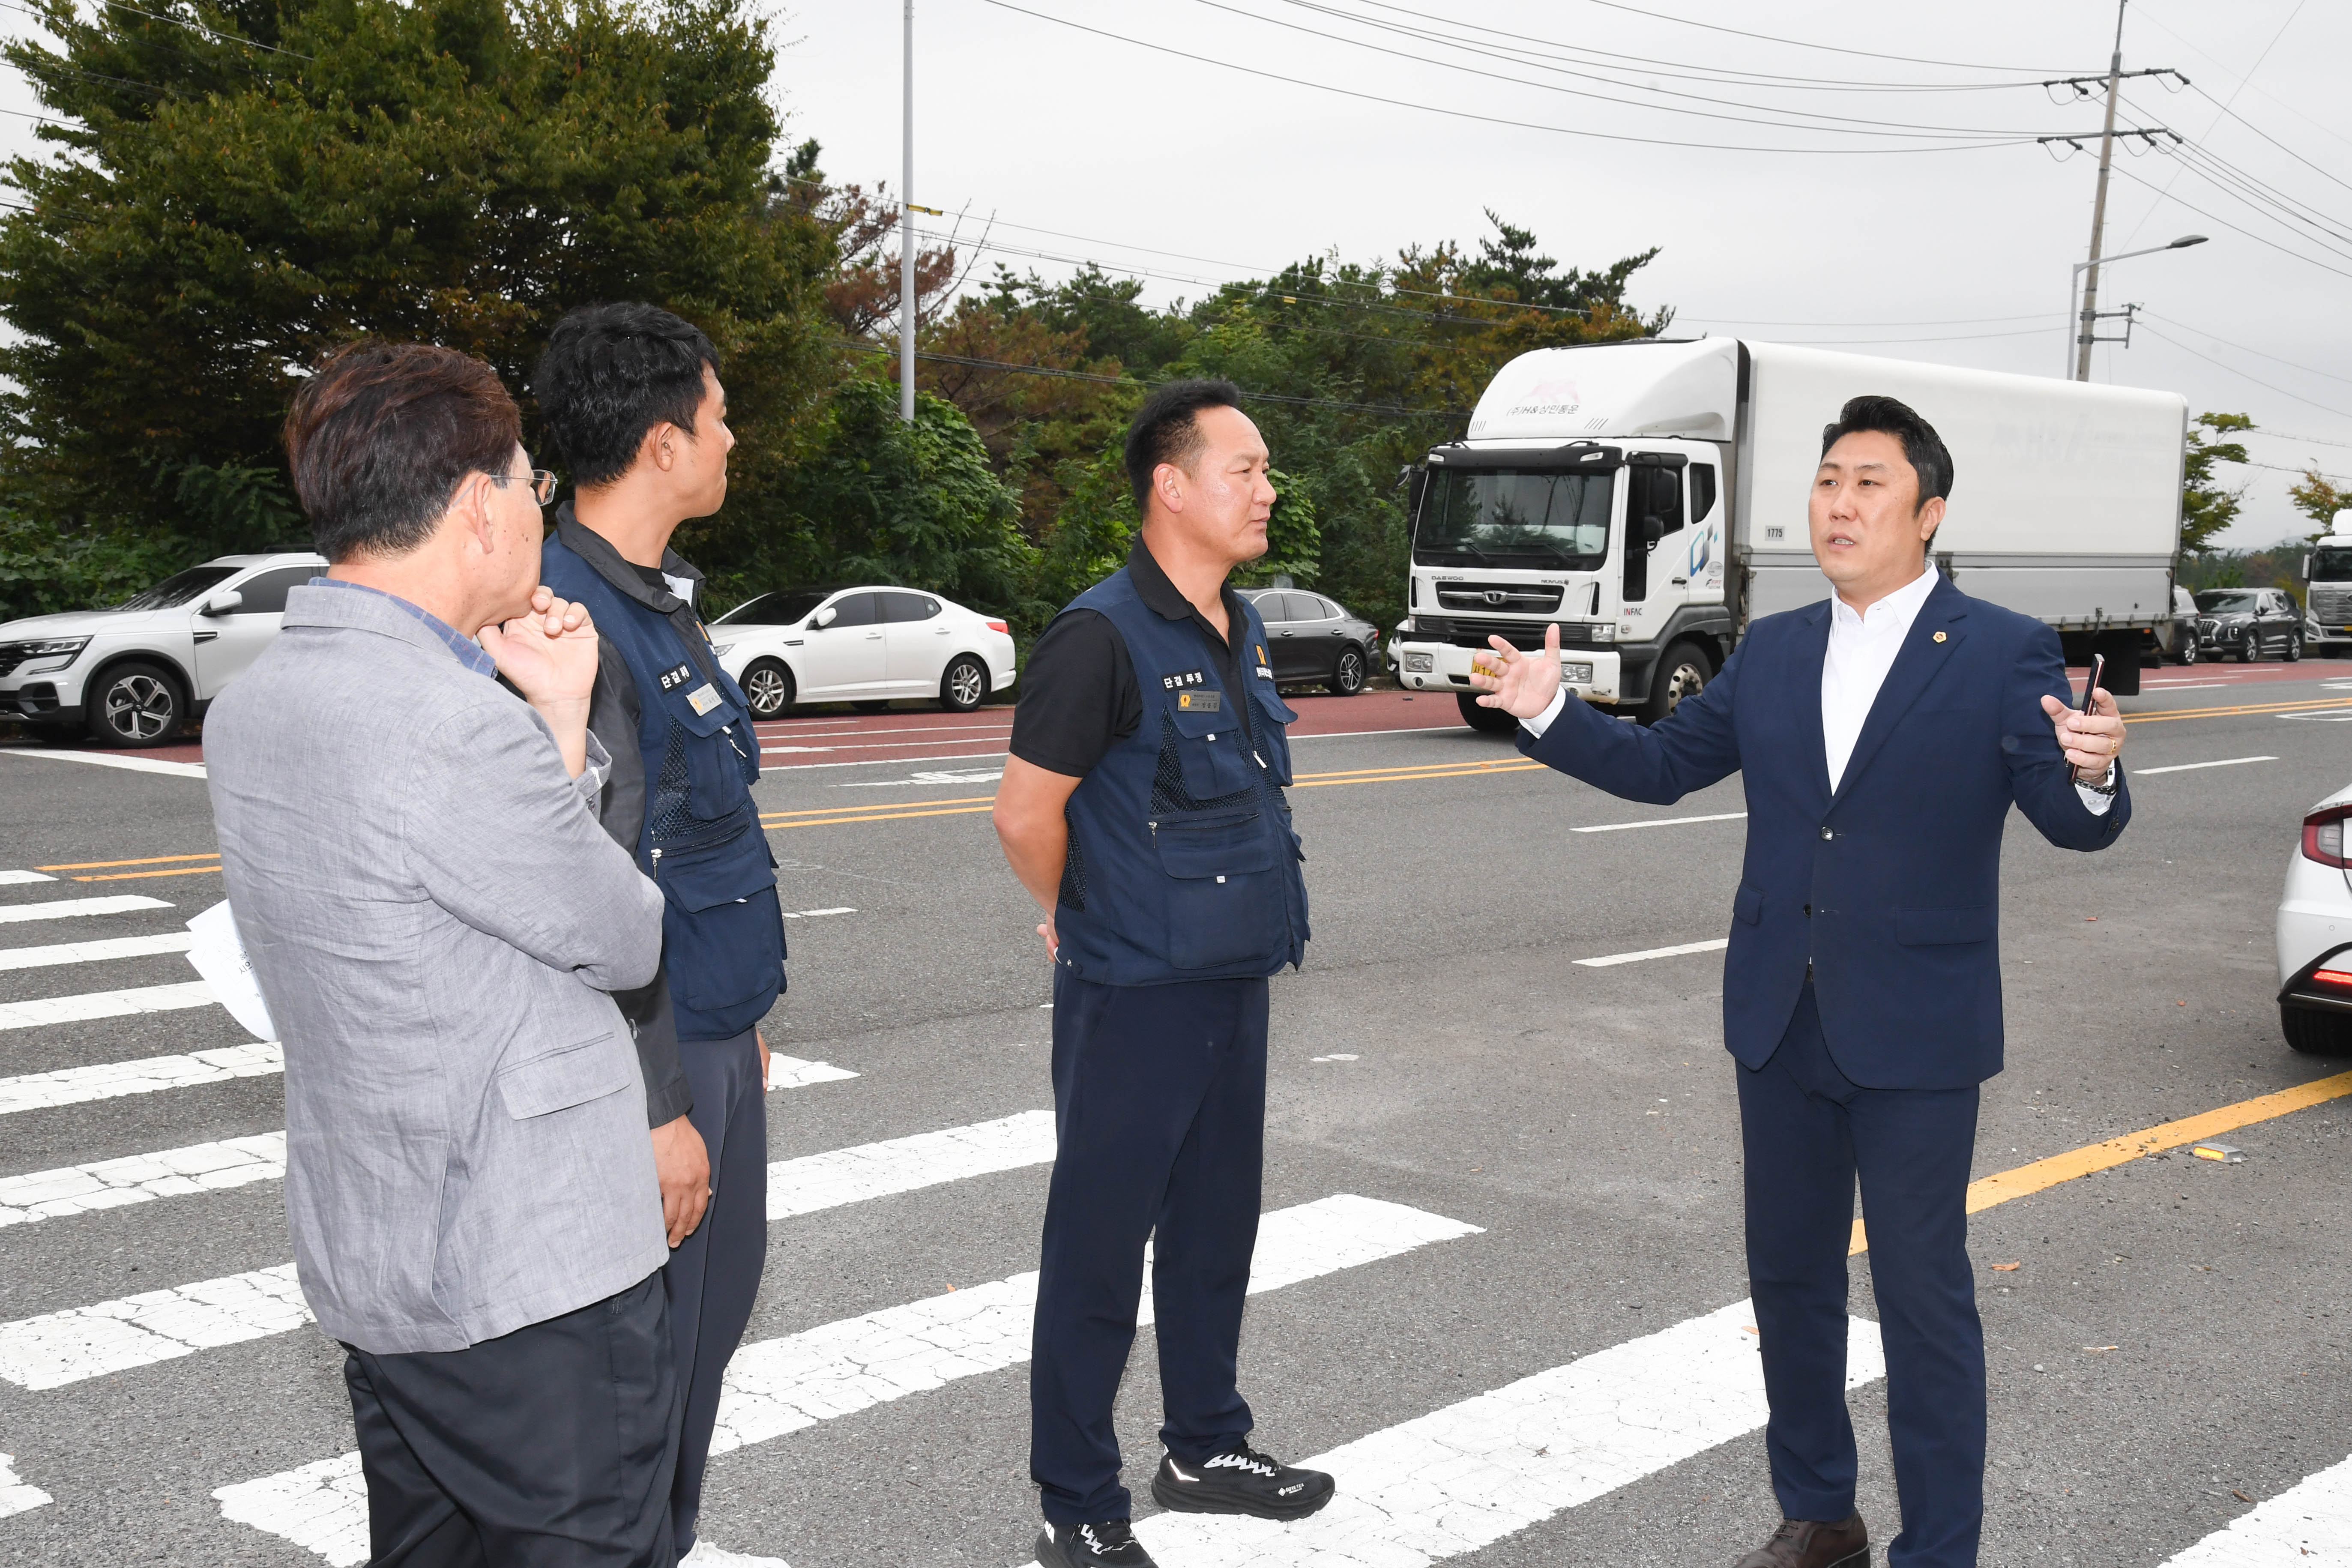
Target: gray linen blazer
(435, 919)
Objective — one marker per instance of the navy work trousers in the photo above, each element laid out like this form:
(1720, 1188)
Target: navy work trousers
(552, 1447)
(713, 1275)
(1160, 1121)
(1809, 1132)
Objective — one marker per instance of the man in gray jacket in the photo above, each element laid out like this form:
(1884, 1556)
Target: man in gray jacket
(436, 921)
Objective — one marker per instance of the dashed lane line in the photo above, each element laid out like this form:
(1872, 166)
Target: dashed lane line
(105, 1004)
(101, 759)
(17, 1496)
(1610, 960)
(10, 879)
(2192, 767)
(96, 952)
(141, 1178)
(1471, 1473)
(2309, 1525)
(68, 909)
(1661, 822)
(841, 1176)
(786, 1384)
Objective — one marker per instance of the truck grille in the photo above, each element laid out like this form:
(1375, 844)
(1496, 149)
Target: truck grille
(1463, 632)
(2332, 602)
(1517, 598)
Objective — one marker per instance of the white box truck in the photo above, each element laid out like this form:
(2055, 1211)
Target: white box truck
(1650, 498)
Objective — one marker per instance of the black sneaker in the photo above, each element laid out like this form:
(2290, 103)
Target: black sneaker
(1242, 1481)
(1109, 1544)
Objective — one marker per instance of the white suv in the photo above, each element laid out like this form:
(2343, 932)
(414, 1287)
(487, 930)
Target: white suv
(2315, 933)
(134, 675)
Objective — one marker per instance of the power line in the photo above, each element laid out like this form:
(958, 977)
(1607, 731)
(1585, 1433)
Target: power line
(2044, 316)
(1826, 48)
(2225, 223)
(1485, 118)
(2241, 374)
(2242, 349)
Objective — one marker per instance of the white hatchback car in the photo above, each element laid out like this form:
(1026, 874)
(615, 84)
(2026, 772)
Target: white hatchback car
(134, 675)
(2315, 933)
(864, 645)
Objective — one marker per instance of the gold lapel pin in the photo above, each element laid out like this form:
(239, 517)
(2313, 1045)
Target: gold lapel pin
(1939, 636)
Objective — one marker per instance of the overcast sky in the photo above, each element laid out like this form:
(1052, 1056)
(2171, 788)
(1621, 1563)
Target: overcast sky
(1958, 253)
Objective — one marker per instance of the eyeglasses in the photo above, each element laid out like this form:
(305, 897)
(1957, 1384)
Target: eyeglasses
(542, 483)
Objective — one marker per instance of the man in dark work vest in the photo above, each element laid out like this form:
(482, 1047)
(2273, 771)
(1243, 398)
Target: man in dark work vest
(1143, 808)
(630, 396)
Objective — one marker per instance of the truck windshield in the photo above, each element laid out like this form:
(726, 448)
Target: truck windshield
(2331, 566)
(179, 588)
(2227, 602)
(1513, 518)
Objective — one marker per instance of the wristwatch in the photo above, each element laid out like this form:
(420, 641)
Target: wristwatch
(2107, 785)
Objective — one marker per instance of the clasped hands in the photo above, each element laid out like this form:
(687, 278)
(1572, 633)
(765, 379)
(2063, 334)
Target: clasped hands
(1523, 686)
(549, 652)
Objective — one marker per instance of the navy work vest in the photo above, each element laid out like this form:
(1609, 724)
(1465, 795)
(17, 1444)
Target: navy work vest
(722, 928)
(1183, 861)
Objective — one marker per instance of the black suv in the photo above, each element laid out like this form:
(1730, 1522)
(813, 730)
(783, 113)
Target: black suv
(2249, 624)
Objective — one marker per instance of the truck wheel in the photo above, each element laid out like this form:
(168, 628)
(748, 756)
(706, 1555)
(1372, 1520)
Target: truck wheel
(1489, 720)
(1682, 673)
(2315, 1033)
(135, 704)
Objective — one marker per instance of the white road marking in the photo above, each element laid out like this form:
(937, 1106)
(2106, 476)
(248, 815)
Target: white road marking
(2340, 716)
(783, 1384)
(82, 1342)
(141, 1178)
(1661, 822)
(816, 914)
(64, 908)
(1717, 945)
(830, 1179)
(790, 1072)
(2187, 684)
(99, 759)
(108, 1080)
(943, 776)
(2309, 1525)
(2192, 767)
(94, 951)
(105, 1004)
(871, 762)
(1469, 1475)
(16, 1496)
(8, 877)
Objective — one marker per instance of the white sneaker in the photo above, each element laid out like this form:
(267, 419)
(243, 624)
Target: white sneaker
(706, 1555)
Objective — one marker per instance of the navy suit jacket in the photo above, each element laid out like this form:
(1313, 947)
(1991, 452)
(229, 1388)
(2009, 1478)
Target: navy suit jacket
(1891, 886)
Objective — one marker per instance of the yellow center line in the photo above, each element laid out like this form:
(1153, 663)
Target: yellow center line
(1315, 780)
(886, 816)
(2025, 1180)
(2312, 703)
(107, 865)
(854, 813)
(135, 875)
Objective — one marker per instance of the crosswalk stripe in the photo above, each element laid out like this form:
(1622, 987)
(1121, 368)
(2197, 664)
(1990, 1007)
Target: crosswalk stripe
(792, 1072)
(141, 1178)
(105, 1004)
(108, 1080)
(17, 1496)
(1608, 960)
(65, 908)
(10, 877)
(783, 1384)
(95, 952)
(852, 1175)
(2309, 1525)
(82, 1342)
(1466, 1476)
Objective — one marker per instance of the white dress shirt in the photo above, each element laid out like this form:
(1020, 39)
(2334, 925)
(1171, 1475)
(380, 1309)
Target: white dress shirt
(1862, 645)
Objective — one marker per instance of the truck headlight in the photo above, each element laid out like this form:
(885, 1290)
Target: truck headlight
(1420, 663)
(1603, 632)
(1576, 674)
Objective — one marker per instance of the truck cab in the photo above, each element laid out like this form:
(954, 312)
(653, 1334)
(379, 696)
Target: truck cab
(1620, 543)
(2327, 570)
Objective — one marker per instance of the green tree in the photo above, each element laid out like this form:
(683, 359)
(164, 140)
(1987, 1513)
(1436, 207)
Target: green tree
(2319, 501)
(2206, 508)
(245, 185)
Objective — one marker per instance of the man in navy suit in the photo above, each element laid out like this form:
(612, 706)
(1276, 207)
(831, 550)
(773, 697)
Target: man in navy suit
(1882, 737)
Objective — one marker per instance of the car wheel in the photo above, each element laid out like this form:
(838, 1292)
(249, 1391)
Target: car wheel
(1489, 720)
(2188, 651)
(136, 704)
(767, 686)
(1682, 673)
(1348, 675)
(964, 687)
(2294, 654)
(2317, 1033)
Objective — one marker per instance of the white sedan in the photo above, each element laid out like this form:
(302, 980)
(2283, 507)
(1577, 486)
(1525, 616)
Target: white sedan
(864, 645)
(2315, 933)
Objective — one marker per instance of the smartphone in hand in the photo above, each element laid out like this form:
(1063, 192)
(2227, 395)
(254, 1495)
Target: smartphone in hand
(2098, 667)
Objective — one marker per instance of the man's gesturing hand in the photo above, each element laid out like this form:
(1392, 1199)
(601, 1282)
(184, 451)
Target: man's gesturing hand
(2091, 741)
(682, 1162)
(1520, 684)
(548, 653)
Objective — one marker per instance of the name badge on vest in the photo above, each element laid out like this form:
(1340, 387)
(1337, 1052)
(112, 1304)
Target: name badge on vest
(1200, 702)
(702, 698)
(671, 680)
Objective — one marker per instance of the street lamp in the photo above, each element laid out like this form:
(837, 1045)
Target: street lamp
(2085, 325)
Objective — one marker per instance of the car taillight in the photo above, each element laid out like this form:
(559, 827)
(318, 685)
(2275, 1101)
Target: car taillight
(2323, 835)
(998, 626)
(2337, 977)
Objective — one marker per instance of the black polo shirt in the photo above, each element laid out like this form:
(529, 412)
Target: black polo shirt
(1078, 692)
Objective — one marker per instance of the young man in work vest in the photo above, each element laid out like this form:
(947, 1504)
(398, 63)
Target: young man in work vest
(1143, 808)
(630, 396)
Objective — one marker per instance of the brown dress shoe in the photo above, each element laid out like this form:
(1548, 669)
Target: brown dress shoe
(1814, 1544)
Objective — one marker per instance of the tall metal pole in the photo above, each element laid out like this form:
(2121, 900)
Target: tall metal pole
(906, 234)
(2089, 318)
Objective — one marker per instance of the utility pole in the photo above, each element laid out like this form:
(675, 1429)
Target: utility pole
(907, 233)
(2099, 207)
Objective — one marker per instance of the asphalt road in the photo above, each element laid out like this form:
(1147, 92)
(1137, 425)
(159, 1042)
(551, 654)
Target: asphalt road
(2169, 1350)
